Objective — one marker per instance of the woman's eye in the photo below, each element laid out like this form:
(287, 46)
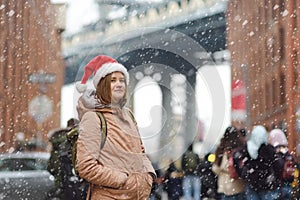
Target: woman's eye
(119, 80)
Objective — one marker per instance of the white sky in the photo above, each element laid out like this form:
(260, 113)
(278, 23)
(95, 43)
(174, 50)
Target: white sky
(79, 13)
(82, 12)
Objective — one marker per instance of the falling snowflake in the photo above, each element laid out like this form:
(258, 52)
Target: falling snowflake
(11, 13)
(285, 13)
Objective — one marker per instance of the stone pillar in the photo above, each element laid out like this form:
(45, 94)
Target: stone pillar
(167, 132)
(191, 110)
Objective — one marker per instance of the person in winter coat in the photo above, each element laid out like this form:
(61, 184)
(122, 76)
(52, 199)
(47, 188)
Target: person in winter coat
(278, 139)
(121, 169)
(260, 168)
(54, 165)
(191, 182)
(228, 187)
(173, 182)
(209, 179)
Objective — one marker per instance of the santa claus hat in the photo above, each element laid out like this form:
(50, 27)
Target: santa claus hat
(100, 66)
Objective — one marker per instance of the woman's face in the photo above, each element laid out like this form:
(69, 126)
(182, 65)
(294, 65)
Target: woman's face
(117, 87)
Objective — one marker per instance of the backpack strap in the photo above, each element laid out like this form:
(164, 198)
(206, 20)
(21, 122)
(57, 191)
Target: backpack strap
(103, 128)
(131, 115)
(104, 125)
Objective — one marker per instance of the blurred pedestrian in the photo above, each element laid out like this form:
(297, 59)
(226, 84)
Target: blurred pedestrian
(243, 135)
(191, 182)
(173, 182)
(55, 167)
(121, 168)
(295, 184)
(156, 191)
(208, 177)
(229, 188)
(260, 169)
(278, 139)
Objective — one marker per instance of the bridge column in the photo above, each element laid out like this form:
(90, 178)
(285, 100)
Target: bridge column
(178, 130)
(167, 131)
(191, 120)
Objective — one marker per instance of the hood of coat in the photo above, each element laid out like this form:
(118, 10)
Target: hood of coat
(277, 138)
(89, 102)
(258, 137)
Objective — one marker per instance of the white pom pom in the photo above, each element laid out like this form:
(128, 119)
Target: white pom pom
(81, 87)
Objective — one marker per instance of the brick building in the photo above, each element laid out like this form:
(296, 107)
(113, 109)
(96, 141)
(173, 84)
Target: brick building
(263, 38)
(32, 72)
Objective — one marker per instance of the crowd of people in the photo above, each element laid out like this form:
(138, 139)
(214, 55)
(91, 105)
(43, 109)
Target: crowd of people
(252, 165)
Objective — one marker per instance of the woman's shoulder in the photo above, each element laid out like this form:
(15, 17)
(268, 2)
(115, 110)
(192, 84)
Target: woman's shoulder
(127, 109)
(89, 114)
(89, 117)
(130, 113)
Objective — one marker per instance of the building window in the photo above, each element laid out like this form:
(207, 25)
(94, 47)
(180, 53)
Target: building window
(296, 7)
(282, 45)
(275, 56)
(274, 93)
(282, 89)
(268, 92)
(295, 67)
(282, 6)
(273, 10)
(260, 103)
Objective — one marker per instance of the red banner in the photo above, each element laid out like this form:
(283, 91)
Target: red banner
(238, 100)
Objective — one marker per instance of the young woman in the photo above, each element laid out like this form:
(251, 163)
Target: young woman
(229, 188)
(121, 169)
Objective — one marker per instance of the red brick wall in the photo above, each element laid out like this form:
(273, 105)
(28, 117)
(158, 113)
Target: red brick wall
(29, 43)
(264, 36)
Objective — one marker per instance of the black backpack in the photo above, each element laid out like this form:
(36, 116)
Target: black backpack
(74, 187)
(72, 137)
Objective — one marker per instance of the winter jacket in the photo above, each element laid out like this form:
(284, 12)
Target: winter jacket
(121, 169)
(226, 184)
(262, 173)
(173, 182)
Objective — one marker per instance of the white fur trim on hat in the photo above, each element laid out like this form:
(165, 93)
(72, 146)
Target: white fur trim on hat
(107, 69)
(80, 87)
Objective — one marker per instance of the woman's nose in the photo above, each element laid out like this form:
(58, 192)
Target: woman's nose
(119, 83)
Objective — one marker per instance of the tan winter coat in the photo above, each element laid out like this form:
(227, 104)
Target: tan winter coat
(226, 184)
(121, 170)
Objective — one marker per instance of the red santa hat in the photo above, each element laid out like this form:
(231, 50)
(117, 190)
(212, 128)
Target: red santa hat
(100, 66)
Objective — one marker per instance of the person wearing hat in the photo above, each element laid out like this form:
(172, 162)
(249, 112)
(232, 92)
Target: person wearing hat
(229, 188)
(278, 139)
(121, 169)
(260, 169)
(57, 138)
